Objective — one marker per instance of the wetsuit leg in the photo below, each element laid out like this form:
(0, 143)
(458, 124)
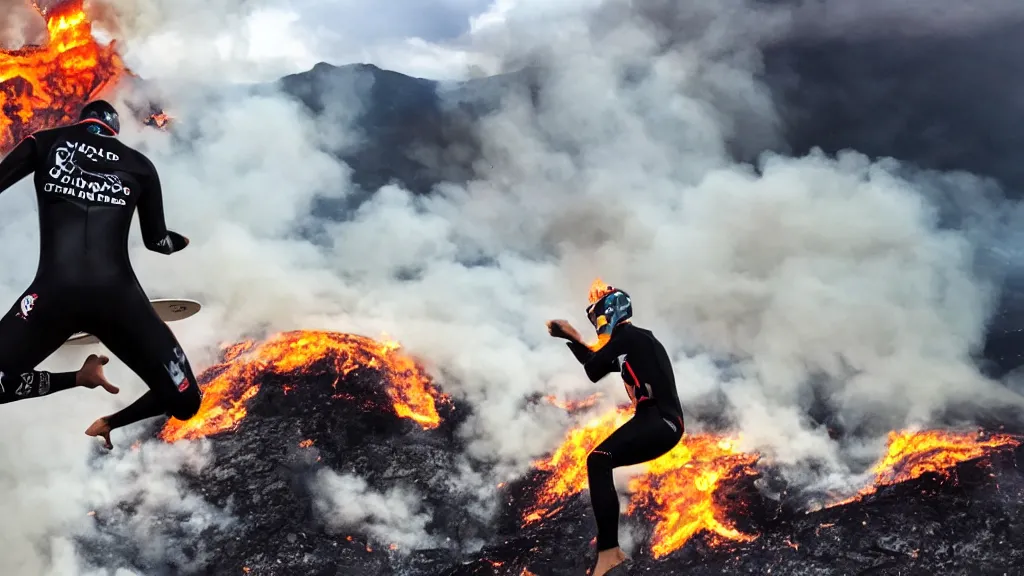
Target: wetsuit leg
(645, 437)
(135, 334)
(33, 329)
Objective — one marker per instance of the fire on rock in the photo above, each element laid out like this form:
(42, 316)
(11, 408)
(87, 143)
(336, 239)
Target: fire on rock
(306, 399)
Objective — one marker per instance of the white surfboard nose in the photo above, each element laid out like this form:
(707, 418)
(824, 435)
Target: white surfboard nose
(168, 309)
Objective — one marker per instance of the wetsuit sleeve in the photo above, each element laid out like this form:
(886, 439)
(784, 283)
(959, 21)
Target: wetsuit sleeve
(18, 164)
(601, 363)
(155, 234)
(16, 386)
(580, 351)
(147, 406)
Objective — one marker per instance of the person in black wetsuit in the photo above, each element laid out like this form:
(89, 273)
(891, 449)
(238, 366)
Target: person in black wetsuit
(657, 424)
(88, 185)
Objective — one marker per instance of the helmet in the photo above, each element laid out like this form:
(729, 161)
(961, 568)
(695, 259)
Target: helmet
(608, 307)
(101, 115)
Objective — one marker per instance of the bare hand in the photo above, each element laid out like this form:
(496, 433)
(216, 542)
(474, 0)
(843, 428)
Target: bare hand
(562, 329)
(101, 428)
(90, 375)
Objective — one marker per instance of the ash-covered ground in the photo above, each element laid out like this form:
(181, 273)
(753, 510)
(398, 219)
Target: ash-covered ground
(264, 475)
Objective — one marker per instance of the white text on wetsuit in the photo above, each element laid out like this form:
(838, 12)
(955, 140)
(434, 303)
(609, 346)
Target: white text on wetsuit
(73, 180)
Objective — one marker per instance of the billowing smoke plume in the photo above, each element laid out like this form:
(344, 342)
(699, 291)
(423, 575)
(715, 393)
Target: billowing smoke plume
(774, 285)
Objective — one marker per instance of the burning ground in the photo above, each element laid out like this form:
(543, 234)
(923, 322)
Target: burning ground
(45, 86)
(316, 436)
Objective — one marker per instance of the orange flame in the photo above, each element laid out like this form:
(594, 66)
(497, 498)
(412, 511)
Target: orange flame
(911, 454)
(573, 405)
(676, 489)
(569, 463)
(230, 385)
(45, 86)
(599, 289)
(159, 120)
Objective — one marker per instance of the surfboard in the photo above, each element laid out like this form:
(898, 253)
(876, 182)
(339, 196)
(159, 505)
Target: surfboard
(168, 309)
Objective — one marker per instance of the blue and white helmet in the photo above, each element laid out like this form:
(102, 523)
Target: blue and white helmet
(609, 307)
(101, 114)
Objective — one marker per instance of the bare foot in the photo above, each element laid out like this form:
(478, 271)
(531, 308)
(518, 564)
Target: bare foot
(101, 428)
(608, 559)
(90, 375)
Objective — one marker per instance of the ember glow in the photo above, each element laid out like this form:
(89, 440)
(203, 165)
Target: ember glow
(911, 454)
(228, 387)
(159, 120)
(676, 490)
(46, 86)
(572, 406)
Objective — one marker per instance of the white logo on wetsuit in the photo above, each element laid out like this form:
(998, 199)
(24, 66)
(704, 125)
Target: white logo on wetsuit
(26, 384)
(44, 383)
(2, 391)
(27, 304)
(176, 370)
(73, 180)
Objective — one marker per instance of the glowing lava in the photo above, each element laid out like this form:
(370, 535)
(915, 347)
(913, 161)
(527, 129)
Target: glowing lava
(911, 454)
(676, 490)
(229, 386)
(45, 86)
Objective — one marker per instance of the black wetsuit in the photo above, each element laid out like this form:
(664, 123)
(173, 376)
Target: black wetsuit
(656, 426)
(88, 186)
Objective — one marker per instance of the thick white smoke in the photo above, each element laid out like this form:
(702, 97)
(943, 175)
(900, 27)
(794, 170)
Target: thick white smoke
(347, 503)
(21, 24)
(796, 268)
